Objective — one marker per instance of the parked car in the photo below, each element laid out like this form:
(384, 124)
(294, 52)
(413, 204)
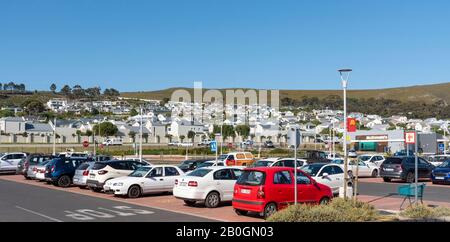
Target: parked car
(186, 144)
(441, 174)
(264, 162)
(82, 173)
(237, 159)
(331, 175)
(266, 190)
(107, 170)
(102, 158)
(358, 167)
(210, 164)
(372, 158)
(212, 185)
(314, 156)
(145, 180)
(31, 162)
(113, 142)
(190, 165)
(60, 171)
(268, 144)
(404, 153)
(437, 160)
(288, 162)
(403, 168)
(10, 161)
(39, 170)
(74, 155)
(173, 143)
(352, 153)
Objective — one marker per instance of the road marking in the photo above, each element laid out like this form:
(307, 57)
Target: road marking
(40, 214)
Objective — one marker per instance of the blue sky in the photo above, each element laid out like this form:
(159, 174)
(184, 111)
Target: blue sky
(286, 44)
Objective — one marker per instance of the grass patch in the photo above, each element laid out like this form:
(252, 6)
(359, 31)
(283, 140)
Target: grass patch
(339, 210)
(421, 211)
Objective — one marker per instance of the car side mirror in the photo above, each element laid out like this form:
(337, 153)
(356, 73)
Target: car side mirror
(324, 175)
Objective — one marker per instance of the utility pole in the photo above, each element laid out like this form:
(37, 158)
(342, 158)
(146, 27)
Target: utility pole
(54, 136)
(295, 167)
(344, 80)
(141, 135)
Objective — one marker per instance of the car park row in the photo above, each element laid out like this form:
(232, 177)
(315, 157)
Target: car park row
(263, 186)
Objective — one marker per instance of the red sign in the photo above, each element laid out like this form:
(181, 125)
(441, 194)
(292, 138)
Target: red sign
(351, 125)
(410, 137)
(86, 144)
(101, 146)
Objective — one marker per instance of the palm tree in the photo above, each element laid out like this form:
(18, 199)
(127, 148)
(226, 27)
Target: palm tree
(191, 135)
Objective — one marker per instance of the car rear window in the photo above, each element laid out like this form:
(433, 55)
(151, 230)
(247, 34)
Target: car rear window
(98, 166)
(393, 161)
(200, 172)
(252, 178)
(83, 166)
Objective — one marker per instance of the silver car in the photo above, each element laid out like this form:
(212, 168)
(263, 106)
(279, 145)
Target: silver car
(81, 174)
(32, 162)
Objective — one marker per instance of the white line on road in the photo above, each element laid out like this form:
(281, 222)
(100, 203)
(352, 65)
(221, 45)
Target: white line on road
(39, 214)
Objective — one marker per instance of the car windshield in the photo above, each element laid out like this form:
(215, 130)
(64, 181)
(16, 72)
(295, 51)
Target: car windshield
(223, 157)
(83, 166)
(252, 178)
(206, 164)
(140, 172)
(337, 161)
(312, 170)
(364, 158)
(200, 172)
(445, 164)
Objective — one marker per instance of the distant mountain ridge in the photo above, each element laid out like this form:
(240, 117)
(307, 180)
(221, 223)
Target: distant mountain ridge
(425, 93)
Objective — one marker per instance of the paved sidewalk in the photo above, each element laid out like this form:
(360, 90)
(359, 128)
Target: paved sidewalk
(393, 203)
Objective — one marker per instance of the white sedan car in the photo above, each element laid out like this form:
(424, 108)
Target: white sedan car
(212, 185)
(373, 159)
(363, 169)
(331, 175)
(145, 180)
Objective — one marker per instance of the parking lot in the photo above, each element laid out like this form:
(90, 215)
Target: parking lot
(30, 200)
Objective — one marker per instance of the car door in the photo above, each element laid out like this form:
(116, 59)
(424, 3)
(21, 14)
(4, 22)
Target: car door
(170, 175)
(364, 169)
(154, 181)
(7, 162)
(329, 180)
(224, 182)
(283, 188)
(305, 189)
(424, 168)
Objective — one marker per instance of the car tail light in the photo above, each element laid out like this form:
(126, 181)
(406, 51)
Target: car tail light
(102, 172)
(261, 194)
(176, 181)
(231, 162)
(193, 184)
(53, 169)
(85, 172)
(34, 169)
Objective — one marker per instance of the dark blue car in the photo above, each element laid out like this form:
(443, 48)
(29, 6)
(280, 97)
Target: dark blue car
(60, 171)
(441, 174)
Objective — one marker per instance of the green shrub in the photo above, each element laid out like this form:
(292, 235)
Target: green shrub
(339, 210)
(421, 211)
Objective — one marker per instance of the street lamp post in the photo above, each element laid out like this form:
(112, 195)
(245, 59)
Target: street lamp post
(344, 74)
(141, 135)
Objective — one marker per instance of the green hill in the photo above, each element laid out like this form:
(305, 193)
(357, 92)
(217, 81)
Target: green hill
(422, 93)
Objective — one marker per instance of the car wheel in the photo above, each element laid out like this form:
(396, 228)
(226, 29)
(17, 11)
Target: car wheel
(324, 201)
(63, 181)
(95, 189)
(240, 212)
(410, 177)
(270, 210)
(189, 202)
(212, 200)
(387, 179)
(375, 173)
(134, 192)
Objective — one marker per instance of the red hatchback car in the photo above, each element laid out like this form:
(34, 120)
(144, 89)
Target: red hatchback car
(268, 189)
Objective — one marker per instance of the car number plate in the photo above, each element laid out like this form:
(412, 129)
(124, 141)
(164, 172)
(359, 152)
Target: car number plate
(245, 191)
(75, 179)
(183, 184)
(92, 176)
(439, 178)
(388, 169)
(106, 188)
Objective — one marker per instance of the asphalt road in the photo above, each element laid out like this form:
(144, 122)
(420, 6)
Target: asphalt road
(26, 203)
(431, 193)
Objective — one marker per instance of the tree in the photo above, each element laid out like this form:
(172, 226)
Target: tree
(105, 129)
(132, 135)
(93, 93)
(243, 130)
(182, 137)
(145, 136)
(66, 91)
(53, 87)
(133, 112)
(6, 113)
(78, 92)
(191, 135)
(33, 107)
(111, 92)
(88, 133)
